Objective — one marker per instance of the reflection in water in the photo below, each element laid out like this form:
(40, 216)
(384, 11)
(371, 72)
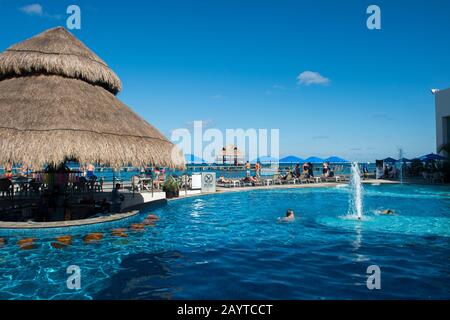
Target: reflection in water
(144, 276)
(197, 208)
(358, 237)
(356, 244)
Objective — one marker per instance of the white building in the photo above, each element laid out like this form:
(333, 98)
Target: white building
(442, 98)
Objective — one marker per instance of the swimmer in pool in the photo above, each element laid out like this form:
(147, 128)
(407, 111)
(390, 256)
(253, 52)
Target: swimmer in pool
(387, 212)
(289, 216)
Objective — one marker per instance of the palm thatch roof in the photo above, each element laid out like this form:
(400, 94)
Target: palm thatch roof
(56, 51)
(57, 102)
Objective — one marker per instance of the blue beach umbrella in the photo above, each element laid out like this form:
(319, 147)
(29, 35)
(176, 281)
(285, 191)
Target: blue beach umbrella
(335, 159)
(390, 160)
(432, 156)
(314, 160)
(291, 159)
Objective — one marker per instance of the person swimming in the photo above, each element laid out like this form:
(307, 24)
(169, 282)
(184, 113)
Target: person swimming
(387, 212)
(290, 216)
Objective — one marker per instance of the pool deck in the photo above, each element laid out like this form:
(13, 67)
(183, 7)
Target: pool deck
(135, 201)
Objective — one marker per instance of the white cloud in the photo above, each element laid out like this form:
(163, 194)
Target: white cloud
(37, 10)
(310, 77)
(33, 9)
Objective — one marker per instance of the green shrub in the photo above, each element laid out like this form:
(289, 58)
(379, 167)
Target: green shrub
(171, 185)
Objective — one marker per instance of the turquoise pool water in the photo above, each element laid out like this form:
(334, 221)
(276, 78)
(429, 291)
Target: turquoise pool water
(231, 246)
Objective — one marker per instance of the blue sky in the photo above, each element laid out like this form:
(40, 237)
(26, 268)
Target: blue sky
(235, 64)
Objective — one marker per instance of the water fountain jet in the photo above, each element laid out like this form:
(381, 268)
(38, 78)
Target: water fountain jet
(355, 203)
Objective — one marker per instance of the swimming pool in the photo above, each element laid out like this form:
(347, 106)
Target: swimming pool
(230, 246)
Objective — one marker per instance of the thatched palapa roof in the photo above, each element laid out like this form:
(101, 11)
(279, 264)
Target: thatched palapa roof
(57, 102)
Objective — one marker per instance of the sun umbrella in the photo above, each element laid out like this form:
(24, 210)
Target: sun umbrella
(314, 160)
(432, 156)
(291, 159)
(335, 159)
(389, 160)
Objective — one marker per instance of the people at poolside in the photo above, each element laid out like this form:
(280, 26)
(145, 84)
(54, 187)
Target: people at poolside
(325, 170)
(365, 172)
(252, 180)
(330, 173)
(116, 199)
(310, 170)
(8, 171)
(290, 216)
(386, 171)
(258, 169)
(297, 172)
(158, 177)
(90, 171)
(223, 180)
(23, 172)
(145, 172)
(288, 175)
(156, 173)
(247, 168)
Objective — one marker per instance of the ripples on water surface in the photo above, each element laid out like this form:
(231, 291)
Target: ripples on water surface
(230, 246)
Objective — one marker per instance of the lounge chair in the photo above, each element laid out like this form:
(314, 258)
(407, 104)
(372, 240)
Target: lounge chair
(236, 183)
(266, 181)
(258, 183)
(289, 179)
(276, 179)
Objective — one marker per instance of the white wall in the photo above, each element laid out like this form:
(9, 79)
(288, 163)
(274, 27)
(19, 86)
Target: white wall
(442, 116)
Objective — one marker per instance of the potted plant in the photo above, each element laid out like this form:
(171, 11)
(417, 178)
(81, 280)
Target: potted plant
(171, 187)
